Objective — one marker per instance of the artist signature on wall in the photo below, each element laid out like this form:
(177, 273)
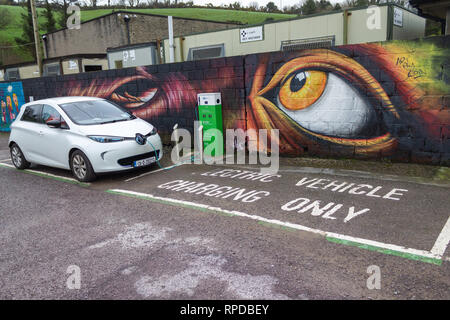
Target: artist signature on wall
(413, 71)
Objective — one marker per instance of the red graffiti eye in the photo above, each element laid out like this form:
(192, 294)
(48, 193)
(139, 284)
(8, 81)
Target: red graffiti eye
(130, 97)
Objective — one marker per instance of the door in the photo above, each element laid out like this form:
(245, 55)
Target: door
(27, 133)
(54, 143)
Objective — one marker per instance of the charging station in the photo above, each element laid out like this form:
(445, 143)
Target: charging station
(210, 117)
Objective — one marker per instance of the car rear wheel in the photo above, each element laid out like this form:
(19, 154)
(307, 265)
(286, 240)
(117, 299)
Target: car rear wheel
(81, 167)
(18, 159)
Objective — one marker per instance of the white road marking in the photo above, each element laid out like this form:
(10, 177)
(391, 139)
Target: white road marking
(442, 241)
(43, 173)
(5, 160)
(382, 245)
(154, 171)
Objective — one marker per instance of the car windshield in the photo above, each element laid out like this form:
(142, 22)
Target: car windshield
(91, 112)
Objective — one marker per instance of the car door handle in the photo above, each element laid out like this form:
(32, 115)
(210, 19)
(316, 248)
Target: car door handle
(41, 133)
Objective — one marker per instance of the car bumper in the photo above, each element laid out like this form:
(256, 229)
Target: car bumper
(120, 156)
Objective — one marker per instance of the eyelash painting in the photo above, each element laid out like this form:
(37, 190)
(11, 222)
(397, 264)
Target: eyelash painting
(367, 100)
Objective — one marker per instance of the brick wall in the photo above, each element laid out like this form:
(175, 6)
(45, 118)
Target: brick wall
(377, 100)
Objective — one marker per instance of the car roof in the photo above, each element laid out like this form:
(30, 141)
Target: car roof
(62, 100)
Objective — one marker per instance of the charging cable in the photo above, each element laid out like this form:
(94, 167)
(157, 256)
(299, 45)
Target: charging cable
(171, 167)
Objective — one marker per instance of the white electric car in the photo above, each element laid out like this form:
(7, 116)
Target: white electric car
(83, 134)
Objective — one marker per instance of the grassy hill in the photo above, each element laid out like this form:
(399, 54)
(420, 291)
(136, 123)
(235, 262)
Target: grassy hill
(14, 27)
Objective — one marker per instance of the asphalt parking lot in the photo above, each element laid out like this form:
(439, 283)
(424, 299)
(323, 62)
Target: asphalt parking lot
(222, 232)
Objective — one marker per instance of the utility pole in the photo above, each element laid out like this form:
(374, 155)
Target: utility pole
(37, 39)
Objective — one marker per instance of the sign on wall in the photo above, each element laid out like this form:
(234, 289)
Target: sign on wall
(251, 34)
(398, 17)
(73, 65)
(129, 54)
(11, 99)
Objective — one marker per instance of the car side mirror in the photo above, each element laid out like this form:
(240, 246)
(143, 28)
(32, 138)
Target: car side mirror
(54, 123)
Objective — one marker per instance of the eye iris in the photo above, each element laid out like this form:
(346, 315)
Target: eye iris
(298, 81)
(302, 89)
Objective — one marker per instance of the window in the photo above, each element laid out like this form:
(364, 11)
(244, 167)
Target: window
(49, 113)
(12, 74)
(95, 112)
(32, 113)
(92, 68)
(310, 43)
(209, 52)
(52, 69)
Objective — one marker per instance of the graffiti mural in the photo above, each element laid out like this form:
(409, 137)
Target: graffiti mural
(368, 101)
(11, 99)
(363, 100)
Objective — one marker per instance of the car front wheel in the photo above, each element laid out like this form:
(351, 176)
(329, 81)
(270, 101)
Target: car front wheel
(18, 159)
(81, 167)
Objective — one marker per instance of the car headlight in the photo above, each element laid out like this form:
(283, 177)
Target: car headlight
(153, 132)
(106, 139)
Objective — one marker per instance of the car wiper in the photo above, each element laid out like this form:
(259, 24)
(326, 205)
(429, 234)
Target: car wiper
(112, 121)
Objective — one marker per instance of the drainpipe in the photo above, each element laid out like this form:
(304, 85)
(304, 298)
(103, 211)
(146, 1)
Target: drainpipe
(447, 22)
(126, 18)
(345, 35)
(171, 46)
(158, 48)
(182, 49)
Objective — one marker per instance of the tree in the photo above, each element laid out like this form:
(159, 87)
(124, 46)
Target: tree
(271, 7)
(236, 5)
(323, 5)
(64, 16)
(5, 17)
(253, 5)
(50, 24)
(337, 7)
(27, 37)
(309, 7)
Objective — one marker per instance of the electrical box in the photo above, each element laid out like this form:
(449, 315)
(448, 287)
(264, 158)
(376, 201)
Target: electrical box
(210, 117)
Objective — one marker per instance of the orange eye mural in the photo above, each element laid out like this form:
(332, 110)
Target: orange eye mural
(322, 98)
(367, 100)
(302, 89)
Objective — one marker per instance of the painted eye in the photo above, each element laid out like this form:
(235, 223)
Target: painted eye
(129, 97)
(326, 104)
(302, 89)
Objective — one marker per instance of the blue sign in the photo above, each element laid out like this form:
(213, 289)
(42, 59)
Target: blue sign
(11, 100)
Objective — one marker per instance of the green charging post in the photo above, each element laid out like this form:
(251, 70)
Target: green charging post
(210, 117)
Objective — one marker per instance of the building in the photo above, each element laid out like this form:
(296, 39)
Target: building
(71, 64)
(434, 9)
(352, 26)
(134, 55)
(118, 29)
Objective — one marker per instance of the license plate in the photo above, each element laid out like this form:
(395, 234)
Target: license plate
(144, 162)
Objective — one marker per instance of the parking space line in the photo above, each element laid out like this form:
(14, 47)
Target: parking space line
(154, 171)
(409, 253)
(5, 160)
(47, 175)
(443, 239)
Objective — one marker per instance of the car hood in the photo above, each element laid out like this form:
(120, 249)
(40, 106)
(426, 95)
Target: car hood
(118, 129)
